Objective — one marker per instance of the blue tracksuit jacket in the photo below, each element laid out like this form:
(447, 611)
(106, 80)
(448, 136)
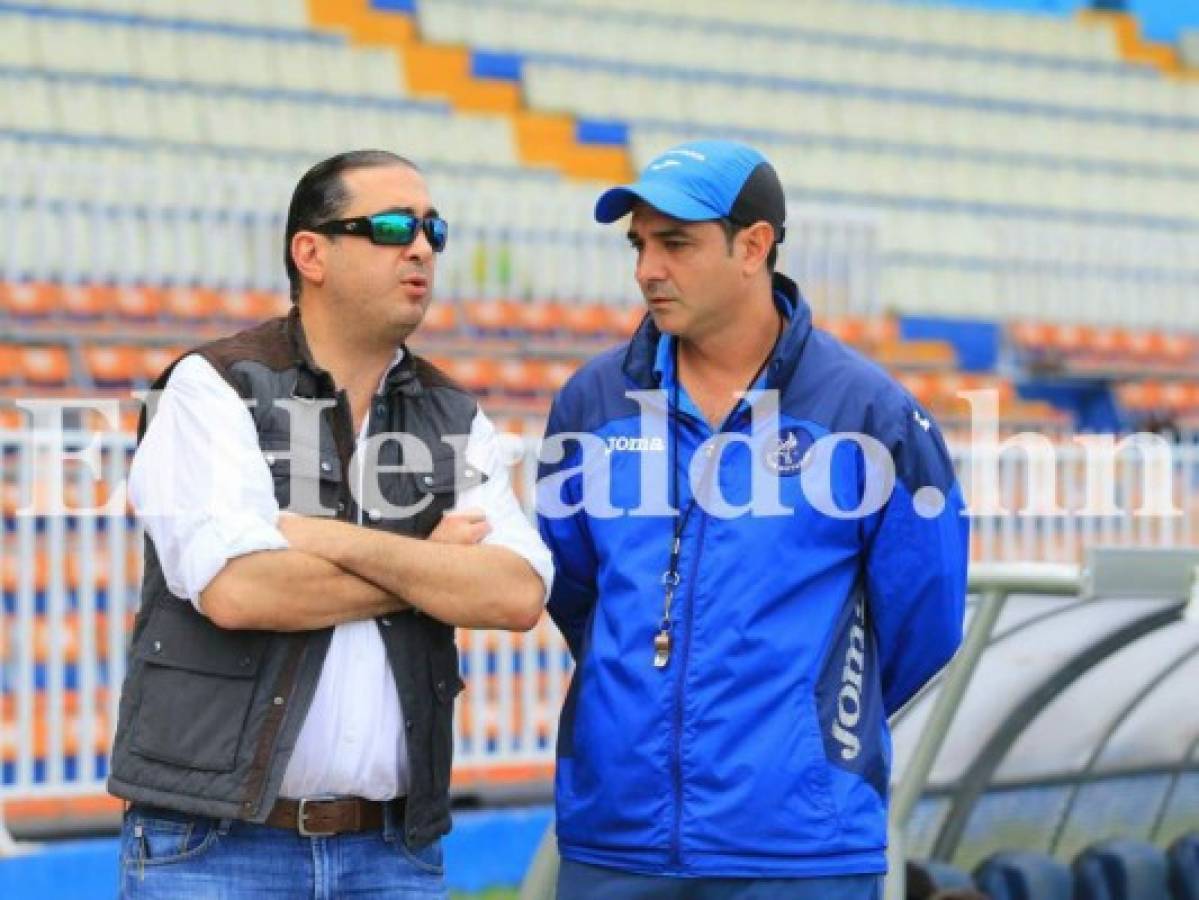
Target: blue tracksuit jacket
(761, 749)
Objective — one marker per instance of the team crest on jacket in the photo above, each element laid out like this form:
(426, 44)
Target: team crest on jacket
(789, 453)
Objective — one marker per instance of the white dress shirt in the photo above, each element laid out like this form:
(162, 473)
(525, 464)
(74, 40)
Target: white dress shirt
(201, 487)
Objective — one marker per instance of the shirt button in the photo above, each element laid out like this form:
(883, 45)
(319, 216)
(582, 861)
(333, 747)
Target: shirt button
(407, 724)
(374, 515)
(428, 479)
(158, 646)
(278, 701)
(326, 466)
(341, 506)
(270, 459)
(385, 622)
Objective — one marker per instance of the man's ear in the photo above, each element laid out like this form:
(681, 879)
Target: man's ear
(755, 242)
(308, 252)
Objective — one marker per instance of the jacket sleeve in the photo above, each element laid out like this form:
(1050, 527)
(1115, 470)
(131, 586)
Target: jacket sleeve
(916, 559)
(566, 533)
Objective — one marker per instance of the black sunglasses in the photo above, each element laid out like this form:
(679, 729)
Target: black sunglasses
(391, 229)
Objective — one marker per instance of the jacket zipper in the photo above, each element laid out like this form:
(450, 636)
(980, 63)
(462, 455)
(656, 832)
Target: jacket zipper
(676, 845)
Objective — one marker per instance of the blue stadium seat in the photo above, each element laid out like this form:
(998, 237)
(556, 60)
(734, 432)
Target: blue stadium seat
(1121, 869)
(1184, 867)
(1024, 875)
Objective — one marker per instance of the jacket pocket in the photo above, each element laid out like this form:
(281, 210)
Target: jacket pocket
(197, 687)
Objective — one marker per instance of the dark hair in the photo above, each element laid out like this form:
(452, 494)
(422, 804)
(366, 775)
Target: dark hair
(730, 231)
(321, 195)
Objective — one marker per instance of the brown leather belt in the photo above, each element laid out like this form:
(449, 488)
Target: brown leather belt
(321, 818)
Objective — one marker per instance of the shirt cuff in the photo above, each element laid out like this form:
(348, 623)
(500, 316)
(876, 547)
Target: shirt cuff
(219, 539)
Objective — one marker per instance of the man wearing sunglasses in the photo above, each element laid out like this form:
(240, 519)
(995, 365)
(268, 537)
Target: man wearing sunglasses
(322, 509)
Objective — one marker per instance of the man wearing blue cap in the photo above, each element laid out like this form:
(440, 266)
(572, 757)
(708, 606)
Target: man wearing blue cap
(761, 555)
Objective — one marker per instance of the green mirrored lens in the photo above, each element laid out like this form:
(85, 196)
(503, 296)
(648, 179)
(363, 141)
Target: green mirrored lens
(393, 228)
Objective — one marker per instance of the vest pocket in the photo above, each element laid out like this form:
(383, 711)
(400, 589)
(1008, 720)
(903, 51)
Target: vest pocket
(307, 487)
(197, 686)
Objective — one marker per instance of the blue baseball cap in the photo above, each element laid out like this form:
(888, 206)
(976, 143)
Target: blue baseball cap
(704, 180)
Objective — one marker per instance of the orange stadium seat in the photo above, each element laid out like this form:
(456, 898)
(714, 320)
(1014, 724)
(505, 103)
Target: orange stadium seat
(541, 318)
(1031, 334)
(28, 300)
(558, 372)
(521, 376)
(88, 301)
(192, 304)
(138, 303)
(9, 363)
(109, 364)
(921, 385)
(915, 354)
(440, 318)
(589, 320)
(251, 306)
(154, 361)
(627, 320)
(493, 315)
(473, 372)
(11, 418)
(44, 366)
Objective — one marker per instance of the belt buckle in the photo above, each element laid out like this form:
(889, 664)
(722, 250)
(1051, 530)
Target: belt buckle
(302, 825)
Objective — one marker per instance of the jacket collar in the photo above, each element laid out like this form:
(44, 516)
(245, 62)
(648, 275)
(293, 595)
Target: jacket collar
(641, 356)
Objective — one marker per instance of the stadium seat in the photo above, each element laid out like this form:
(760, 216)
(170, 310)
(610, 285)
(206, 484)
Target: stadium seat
(138, 303)
(29, 300)
(501, 316)
(1024, 875)
(440, 318)
(247, 307)
(196, 305)
(154, 361)
(9, 363)
(1184, 867)
(541, 318)
(110, 365)
(590, 320)
(1121, 869)
(44, 366)
(88, 301)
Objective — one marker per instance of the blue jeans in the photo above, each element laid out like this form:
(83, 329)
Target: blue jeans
(168, 855)
(579, 881)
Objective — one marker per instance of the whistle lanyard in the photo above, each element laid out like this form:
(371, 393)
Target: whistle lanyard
(670, 578)
(663, 641)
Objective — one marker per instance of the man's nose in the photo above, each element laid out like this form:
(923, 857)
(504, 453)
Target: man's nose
(420, 248)
(649, 267)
